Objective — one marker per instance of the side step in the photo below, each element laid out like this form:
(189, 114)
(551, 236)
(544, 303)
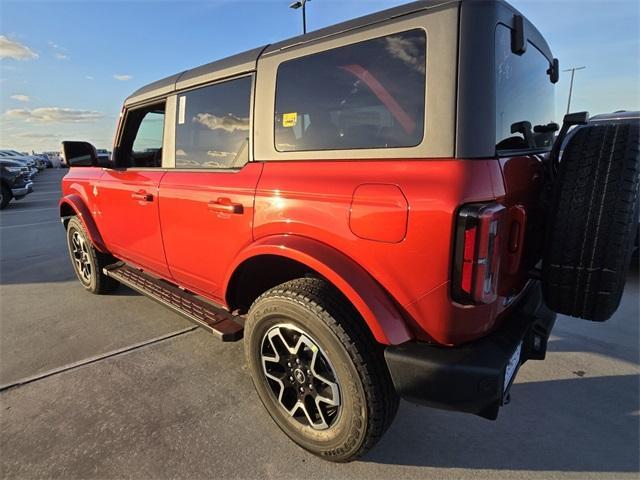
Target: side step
(214, 319)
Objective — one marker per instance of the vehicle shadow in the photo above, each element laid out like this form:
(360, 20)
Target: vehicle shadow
(577, 425)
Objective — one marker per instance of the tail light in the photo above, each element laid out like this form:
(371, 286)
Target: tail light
(476, 260)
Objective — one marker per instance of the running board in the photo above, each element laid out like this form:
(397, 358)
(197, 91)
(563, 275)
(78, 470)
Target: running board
(214, 319)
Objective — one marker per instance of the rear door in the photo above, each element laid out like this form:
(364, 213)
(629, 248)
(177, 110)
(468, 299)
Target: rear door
(206, 201)
(127, 194)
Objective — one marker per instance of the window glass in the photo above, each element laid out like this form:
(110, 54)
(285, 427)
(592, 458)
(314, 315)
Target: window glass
(149, 136)
(212, 127)
(365, 95)
(525, 97)
(141, 142)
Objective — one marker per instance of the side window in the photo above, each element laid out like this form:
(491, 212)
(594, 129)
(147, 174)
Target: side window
(212, 128)
(365, 95)
(149, 135)
(141, 142)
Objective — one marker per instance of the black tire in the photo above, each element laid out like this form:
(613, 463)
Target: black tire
(91, 278)
(6, 196)
(368, 401)
(592, 222)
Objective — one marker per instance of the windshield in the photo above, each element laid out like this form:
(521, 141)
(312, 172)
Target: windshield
(525, 97)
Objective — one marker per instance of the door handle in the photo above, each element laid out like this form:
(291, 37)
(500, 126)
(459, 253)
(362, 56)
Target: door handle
(142, 196)
(224, 205)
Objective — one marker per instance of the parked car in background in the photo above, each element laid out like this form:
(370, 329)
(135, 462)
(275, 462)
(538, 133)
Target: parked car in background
(54, 158)
(15, 181)
(45, 160)
(37, 162)
(26, 161)
(103, 157)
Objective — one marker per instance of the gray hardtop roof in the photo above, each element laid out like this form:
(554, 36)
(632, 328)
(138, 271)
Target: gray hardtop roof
(247, 61)
(356, 23)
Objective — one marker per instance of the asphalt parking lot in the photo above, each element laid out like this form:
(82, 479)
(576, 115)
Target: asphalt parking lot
(150, 396)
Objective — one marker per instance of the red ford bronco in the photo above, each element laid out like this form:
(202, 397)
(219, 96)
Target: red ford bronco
(379, 208)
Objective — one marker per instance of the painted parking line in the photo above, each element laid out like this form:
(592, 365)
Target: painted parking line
(29, 224)
(96, 358)
(27, 210)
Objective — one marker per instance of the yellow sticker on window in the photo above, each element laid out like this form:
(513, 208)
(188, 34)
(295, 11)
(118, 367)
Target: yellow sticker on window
(289, 119)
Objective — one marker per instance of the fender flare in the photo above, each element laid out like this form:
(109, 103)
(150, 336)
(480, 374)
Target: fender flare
(367, 296)
(76, 203)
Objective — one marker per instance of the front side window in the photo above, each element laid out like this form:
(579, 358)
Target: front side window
(142, 136)
(212, 126)
(365, 95)
(525, 97)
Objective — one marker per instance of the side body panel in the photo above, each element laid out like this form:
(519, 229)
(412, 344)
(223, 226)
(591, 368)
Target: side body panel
(78, 199)
(127, 215)
(200, 237)
(356, 284)
(313, 200)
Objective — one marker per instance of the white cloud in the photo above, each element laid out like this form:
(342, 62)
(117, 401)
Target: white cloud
(230, 123)
(122, 77)
(60, 56)
(20, 97)
(37, 136)
(53, 115)
(409, 51)
(15, 50)
(218, 154)
(88, 77)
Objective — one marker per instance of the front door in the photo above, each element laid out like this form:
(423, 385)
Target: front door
(127, 194)
(206, 202)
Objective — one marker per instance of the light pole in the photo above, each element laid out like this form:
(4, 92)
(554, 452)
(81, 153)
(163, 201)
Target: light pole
(303, 4)
(573, 72)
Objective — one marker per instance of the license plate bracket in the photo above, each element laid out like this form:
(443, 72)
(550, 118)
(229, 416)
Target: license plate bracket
(512, 367)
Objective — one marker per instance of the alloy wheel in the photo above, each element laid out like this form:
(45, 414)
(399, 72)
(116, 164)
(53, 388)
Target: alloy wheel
(80, 251)
(300, 376)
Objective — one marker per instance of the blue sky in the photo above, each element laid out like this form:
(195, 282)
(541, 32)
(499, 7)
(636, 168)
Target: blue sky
(80, 59)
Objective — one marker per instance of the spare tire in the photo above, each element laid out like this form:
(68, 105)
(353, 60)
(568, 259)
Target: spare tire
(592, 221)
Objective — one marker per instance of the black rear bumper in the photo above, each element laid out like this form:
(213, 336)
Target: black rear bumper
(471, 378)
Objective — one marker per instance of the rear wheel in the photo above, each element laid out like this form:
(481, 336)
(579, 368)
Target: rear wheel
(317, 369)
(5, 196)
(87, 261)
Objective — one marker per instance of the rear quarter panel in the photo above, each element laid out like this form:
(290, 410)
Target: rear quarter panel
(313, 199)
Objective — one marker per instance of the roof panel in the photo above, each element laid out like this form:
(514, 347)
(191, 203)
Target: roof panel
(226, 67)
(246, 61)
(357, 23)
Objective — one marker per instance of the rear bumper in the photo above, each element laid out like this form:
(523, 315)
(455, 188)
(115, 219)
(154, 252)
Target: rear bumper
(471, 378)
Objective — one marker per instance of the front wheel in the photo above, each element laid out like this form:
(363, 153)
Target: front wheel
(318, 370)
(5, 196)
(87, 261)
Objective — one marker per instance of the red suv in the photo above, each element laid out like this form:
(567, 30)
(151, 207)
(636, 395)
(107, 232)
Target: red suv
(374, 206)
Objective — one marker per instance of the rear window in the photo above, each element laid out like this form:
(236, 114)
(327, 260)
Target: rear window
(365, 95)
(525, 97)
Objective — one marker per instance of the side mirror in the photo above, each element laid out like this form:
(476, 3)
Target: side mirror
(79, 154)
